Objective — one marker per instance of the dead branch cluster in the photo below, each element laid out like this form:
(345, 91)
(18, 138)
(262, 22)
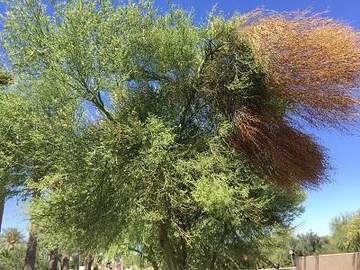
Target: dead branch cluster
(311, 61)
(283, 68)
(284, 154)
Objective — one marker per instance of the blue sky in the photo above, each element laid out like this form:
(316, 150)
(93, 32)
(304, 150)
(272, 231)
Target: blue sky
(341, 195)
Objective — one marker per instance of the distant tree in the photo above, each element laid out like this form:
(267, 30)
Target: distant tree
(12, 259)
(12, 248)
(307, 244)
(11, 238)
(353, 233)
(327, 246)
(339, 229)
(345, 234)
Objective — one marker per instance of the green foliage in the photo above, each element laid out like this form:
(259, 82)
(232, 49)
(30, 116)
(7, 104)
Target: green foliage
(276, 248)
(307, 244)
(5, 79)
(338, 237)
(353, 233)
(12, 259)
(10, 239)
(13, 249)
(344, 237)
(345, 232)
(163, 182)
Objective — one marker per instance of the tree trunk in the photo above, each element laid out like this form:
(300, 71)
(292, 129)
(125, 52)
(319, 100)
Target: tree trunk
(88, 263)
(30, 257)
(77, 261)
(2, 203)
(166, 247)
(54, 257)
(65, 262)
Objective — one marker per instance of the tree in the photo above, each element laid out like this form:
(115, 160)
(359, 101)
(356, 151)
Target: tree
(15, 166)
(5, 80)
(11, 238)
(192, 152)
(338, 237)
(30, 143)
(345, 232)
(12, 259)
(353, 233)
(307, 244)
(12, 250)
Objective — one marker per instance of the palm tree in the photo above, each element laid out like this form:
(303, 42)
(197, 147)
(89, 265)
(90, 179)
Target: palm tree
(11, 238)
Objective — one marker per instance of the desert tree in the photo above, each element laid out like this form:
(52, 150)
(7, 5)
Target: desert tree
(193, 151)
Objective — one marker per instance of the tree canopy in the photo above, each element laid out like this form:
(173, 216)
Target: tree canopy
(345, 232)
(142, 131)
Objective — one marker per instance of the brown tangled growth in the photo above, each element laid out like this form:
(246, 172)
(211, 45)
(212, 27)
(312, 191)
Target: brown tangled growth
(311, 61)
(296, 66)
(285, 155)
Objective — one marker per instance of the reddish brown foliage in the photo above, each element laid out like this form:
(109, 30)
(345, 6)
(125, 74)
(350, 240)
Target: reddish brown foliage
(298, 65)
(311, 61)
(287, 156)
